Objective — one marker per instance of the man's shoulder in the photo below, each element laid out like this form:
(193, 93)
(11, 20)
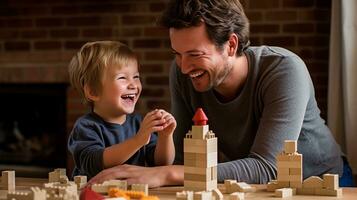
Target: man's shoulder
(263, 51)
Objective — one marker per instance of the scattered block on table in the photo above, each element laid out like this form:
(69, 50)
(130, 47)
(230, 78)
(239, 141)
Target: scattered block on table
(330, 181)
(327, 192)
(140, 187)
(202, 195)
(236, 196)
(184, 195)
(284, 192)
(242, 187)
(8, 180)
(228, 185)
(80, 181)
(217, 194)
(55, 175)
(305, 191)
(272, 186)
(35, 194)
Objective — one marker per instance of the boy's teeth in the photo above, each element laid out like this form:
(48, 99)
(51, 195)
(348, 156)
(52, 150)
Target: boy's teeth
(129, 96)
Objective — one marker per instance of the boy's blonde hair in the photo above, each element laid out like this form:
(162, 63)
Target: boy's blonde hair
(87, 66)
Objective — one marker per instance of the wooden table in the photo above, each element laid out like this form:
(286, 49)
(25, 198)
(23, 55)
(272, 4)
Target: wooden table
(169, 193)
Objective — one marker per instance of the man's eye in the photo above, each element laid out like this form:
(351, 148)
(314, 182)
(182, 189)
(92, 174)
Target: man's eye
(195, 55)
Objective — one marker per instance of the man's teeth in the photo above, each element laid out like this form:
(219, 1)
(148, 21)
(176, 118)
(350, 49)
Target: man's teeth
(194, 75)
(129, 96)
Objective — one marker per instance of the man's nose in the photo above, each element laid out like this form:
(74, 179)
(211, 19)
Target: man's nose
(185, 65)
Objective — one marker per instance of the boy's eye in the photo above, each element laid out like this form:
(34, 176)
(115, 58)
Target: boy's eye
(137, 77)
(121, 78)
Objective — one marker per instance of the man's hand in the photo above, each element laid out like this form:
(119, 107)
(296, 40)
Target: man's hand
(153, 176)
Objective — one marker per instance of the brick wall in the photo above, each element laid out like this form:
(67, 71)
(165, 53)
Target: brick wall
(38, 38)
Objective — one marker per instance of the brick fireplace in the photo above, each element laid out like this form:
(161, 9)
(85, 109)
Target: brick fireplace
(34, 120)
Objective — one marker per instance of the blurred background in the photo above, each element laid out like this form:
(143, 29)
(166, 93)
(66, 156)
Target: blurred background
(38, 38)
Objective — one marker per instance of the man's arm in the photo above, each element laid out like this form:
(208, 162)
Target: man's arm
(285, 95)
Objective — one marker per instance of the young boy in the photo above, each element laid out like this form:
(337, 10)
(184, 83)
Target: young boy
(107, 77)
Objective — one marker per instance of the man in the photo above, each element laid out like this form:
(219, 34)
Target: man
(254, 97)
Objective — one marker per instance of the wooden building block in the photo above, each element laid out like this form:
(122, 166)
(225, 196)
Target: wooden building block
(228, 185)
(284, 192)
(197, 177)
(327, 192)
(8, 180)
(288, 164)
(200, 185)
(283, 184)
(272, 186)
(80, 181)
(141, 188)
(295, 184)
(217, 194)
(290, 146)
(214, 172)
(200, 146)
(202, 195)
(283, 171)
(184, 195)
(313, 182)
(196, 170)
(199, 132)
(200, 159)
(55, 175)
(236, 196)
(295, 171)
(330, 181)
(283, 157)
(242, 187)
(305, 191)
(289, 178)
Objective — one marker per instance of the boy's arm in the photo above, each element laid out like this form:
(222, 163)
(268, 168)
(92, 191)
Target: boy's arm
(119, 153)
(165, 149)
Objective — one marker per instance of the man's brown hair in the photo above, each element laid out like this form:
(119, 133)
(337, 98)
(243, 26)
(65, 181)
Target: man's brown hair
(221, 17)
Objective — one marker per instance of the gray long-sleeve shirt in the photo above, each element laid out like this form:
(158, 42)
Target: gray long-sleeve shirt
(277, 103)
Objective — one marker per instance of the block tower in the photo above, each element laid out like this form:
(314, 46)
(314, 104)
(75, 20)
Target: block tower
(289, 165)
(289, 168)
(200, 156)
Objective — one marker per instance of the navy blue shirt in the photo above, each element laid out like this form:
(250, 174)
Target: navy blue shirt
(91, 135)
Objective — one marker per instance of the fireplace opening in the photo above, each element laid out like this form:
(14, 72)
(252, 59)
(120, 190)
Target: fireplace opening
(33, 128)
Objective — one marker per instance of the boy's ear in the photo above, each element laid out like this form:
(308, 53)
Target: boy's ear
(90, 95)
(232, 44)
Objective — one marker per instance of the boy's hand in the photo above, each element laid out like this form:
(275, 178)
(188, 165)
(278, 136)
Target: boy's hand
(169, 125)
(152, 122)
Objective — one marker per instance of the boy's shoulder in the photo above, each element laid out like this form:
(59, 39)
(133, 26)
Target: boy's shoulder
(92, 118)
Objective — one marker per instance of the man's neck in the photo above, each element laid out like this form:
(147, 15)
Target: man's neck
(231, 87)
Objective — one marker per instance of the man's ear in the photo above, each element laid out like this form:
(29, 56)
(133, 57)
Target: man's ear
(232, 44)
(90, 94)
